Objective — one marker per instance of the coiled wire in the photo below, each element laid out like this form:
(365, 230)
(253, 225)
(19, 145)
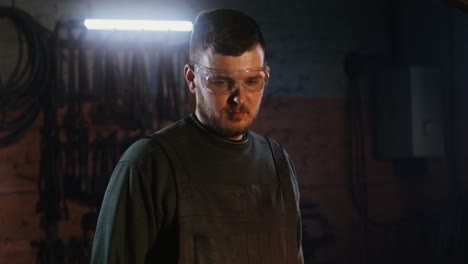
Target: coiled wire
(20, 93)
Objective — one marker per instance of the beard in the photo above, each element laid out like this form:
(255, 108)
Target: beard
(221, 123)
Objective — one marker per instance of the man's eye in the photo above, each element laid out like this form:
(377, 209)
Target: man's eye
(218, 83)
(253, 82)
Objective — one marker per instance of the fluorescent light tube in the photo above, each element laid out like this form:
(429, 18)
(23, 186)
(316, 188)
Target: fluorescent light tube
(143, 25)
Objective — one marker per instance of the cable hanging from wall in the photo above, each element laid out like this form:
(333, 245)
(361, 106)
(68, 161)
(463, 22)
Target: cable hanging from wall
(115, 85)
(111, 88)
(21, 90)
(91, 90)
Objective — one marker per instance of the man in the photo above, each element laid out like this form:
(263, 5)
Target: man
(207, 189)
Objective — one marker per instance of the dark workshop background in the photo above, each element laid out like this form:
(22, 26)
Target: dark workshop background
(368, 97)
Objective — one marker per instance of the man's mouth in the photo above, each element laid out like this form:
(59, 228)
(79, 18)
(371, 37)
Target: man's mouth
(237, 113)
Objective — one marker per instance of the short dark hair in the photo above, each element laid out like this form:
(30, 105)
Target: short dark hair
(226, 31)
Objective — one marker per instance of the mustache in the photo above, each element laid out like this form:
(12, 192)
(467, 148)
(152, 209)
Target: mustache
(236, 109)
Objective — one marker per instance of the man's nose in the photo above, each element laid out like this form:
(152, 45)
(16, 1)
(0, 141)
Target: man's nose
(238, 95)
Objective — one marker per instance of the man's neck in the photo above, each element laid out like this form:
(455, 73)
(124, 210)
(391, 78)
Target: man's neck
(235, 138)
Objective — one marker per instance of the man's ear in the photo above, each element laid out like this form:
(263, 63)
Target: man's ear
(189, 74)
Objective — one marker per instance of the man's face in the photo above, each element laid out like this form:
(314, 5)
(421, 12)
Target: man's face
(229, 115)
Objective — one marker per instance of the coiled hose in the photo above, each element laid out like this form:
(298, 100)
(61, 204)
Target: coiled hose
(21, 92)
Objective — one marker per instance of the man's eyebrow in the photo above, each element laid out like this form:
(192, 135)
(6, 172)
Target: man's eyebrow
(225, 78)
(258, 75)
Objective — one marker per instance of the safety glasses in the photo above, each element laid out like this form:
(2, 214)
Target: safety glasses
(224, 81)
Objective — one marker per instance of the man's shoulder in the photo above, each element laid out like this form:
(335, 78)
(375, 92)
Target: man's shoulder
(259, 138)
(146, 147)
(174, 131)
(273, 143)
(139, 151)
(263, 139)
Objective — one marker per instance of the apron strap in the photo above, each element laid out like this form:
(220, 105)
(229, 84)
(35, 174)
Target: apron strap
(283, 173)
(184, 193)
(285, 181)
(180, 175)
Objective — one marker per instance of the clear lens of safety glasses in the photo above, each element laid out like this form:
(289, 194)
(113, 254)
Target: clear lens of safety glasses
(220, 81)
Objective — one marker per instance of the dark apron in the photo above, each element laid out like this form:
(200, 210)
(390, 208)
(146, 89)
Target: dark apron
(244, 224)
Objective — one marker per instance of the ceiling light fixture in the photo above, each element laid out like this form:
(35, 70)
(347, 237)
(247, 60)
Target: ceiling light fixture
(142, 25)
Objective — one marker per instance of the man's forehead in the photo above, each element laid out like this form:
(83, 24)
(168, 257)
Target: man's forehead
(250, 59)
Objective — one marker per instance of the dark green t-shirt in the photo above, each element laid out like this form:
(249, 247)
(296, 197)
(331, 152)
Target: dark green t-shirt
(138, 219)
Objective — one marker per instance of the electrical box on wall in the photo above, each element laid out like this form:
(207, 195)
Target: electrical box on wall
(409, 114)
